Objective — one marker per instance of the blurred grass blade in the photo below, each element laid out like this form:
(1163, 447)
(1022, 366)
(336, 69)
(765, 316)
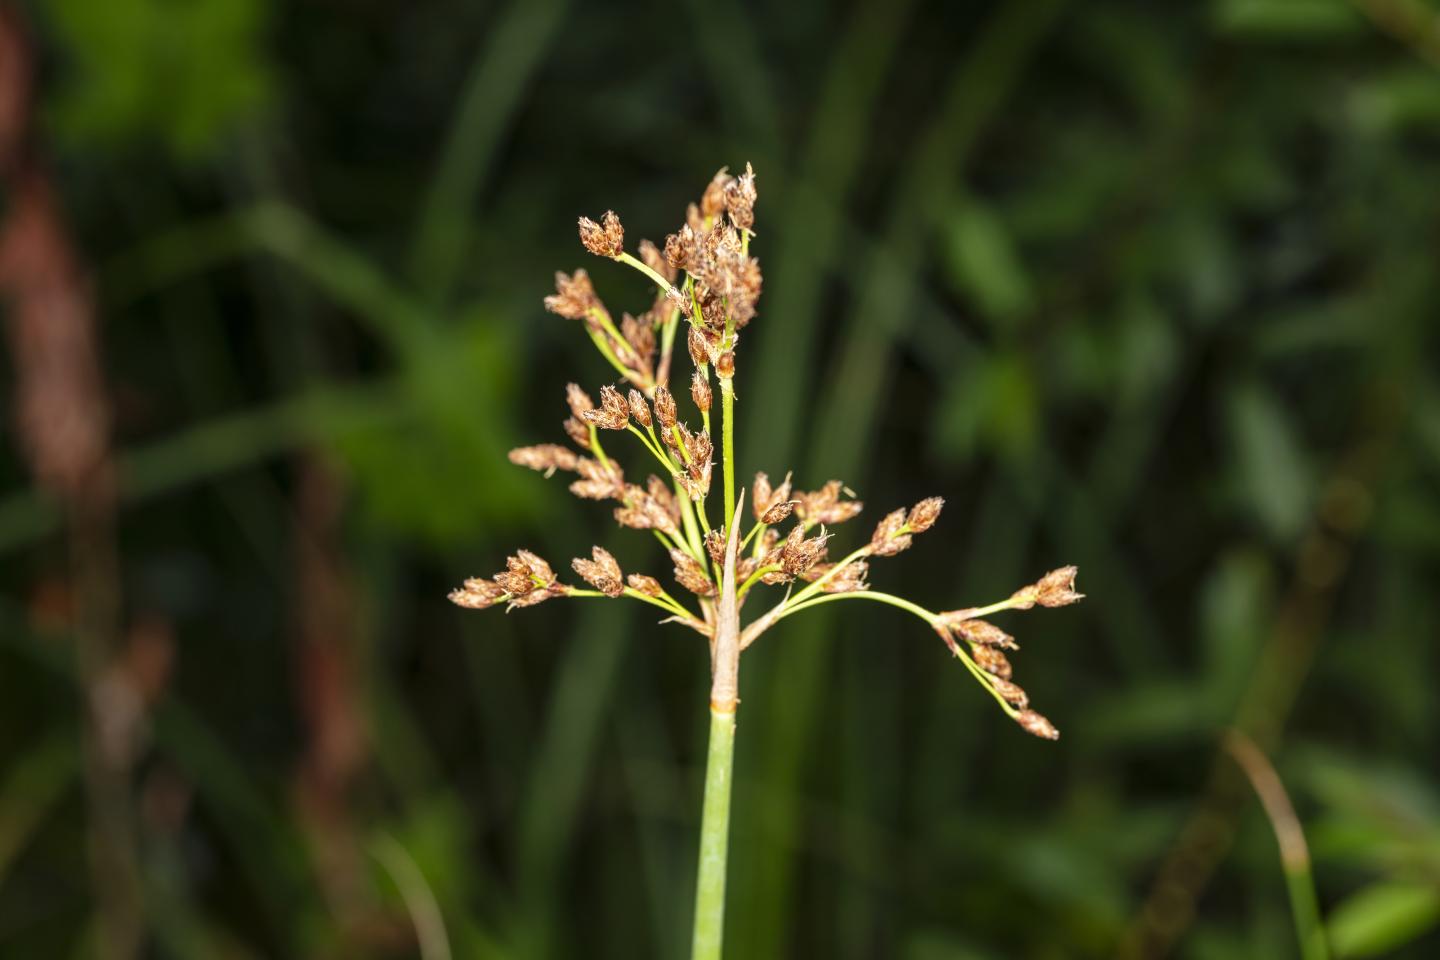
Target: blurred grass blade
(1294, 855)
(510, 57)
(32, 788)
(1384, 917)
(419, 899)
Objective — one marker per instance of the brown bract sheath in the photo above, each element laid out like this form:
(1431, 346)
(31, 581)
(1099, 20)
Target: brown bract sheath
(725, 654)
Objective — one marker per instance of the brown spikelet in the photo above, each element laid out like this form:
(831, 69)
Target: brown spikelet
(604, 239)
(602, 572)
(642, 583)
(1057, 588)
(574, 296)
(740, 196)
(537, 567)
(848, 579)
(578, 433)
(665, 410)
(640, 337)
(613, 413)
(545, 457)
(712, 201)
(799, 554)
(725, 365)
(700, 391)
(992, 660)
(980, 631)
(477, 594)
(639, 409)
(825, 505)
(535, 597)
(887, 539)
(924, 514)
(778, 512)
(579, 401)
(715, 546)
(680, 248)
(698, 346)
(1013, 693)
(690, 575)
(1034, 723)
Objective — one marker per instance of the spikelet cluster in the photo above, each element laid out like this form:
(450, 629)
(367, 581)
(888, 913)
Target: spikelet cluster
(707, 289)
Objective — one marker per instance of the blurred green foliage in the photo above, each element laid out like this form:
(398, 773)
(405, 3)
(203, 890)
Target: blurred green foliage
(1150, 288)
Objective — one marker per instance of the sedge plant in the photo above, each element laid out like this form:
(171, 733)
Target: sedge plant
(707, 289)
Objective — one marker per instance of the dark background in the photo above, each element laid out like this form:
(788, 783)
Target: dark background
(1145, 287)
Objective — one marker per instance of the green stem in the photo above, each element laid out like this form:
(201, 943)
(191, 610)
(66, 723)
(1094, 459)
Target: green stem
(714, 839)
(727, 412)
(644, 268)
(793, 606)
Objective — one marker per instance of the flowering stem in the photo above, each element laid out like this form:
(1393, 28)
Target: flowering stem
(719, 766)
(793, 606)
(714, 839)
(727, 410)
(644, 268)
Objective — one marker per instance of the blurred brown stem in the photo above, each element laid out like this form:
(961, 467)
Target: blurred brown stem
(63, 428)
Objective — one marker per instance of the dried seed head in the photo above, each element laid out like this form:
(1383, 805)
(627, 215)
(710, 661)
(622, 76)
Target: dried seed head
(1013, 693)
(725, 365)
(477, 594)
(690, 575)
(715, 546)
(659, 491)
(712, 201)
(740, 196)
(578, 433)
(760, 495)
(778, 512)
(538, 568)
(979, 631)
(848, 579)
(665, 408)
(825, 506)
(924, 514)
(614, 412)
(598, 481)
(545, 457)
(764, 498)
(1032, 722)
(681, 247)
(515, 583)
(602, 572)
(700, 391)
(604, 239)
(992, 660)
(639, 337)
(699, 352)
(656, 261)
(887, 540)
(579, 400)
(641, 583)
(535, 597)
(639, 409)
(574, 296)
(799, 554)
(1057, 588)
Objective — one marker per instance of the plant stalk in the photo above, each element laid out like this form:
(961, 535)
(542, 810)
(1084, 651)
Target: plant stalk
(719, 765)
(714, 839)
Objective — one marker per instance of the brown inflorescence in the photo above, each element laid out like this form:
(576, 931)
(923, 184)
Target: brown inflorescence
(706, 280)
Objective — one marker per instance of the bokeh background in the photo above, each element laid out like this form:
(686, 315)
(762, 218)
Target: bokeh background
(1146, 287)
